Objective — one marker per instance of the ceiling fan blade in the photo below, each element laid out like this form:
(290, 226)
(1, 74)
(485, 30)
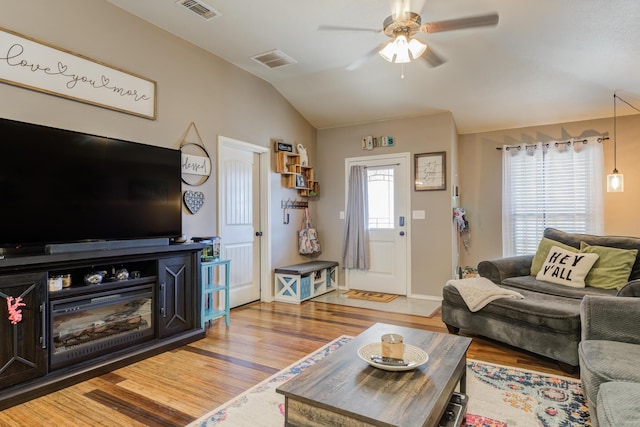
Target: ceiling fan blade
(432, 58)
(371, 54)
(461, 23)
(340, 28)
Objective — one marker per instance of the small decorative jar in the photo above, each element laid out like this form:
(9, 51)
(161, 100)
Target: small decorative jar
(392, 346)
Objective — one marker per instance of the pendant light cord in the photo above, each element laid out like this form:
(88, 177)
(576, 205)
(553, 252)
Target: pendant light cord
(615, 151)
(615, 139)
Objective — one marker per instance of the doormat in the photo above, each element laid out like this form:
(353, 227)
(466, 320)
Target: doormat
(371, 296)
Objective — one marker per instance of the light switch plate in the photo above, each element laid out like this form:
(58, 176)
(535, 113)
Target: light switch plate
(418, 215)
(341, 214)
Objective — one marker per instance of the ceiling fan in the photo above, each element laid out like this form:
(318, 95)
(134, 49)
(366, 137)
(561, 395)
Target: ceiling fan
(405, 29)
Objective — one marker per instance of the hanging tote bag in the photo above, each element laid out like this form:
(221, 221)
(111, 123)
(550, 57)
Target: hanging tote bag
(308, 242)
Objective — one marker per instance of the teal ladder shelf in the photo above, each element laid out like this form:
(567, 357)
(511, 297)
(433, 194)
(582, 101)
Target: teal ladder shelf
(212, 305)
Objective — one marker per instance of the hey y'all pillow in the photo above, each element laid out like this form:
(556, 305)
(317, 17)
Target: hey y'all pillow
(566, 267)
(543, 250)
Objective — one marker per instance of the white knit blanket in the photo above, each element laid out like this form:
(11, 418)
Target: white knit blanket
(480, 291)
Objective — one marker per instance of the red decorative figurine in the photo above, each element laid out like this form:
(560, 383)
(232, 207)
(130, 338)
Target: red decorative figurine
(15, 314)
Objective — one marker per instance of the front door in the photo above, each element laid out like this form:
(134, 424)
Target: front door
(389, 226)
(239, 218)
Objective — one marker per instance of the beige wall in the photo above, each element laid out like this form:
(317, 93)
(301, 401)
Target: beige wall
(481, 178)
(432, 244)
(192, 86)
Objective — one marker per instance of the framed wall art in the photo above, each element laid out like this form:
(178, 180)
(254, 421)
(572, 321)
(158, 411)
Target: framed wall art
(301, 182)
(431, 171)
(31, 64)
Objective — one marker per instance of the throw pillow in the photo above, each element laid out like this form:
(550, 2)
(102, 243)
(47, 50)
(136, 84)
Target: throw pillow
(543, 250)
(613, 267)
(566, 267)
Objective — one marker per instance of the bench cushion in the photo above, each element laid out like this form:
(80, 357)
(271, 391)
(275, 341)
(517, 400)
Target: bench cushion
(306, 267)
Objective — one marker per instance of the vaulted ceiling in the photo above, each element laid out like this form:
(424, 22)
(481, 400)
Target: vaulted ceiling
(547, 61)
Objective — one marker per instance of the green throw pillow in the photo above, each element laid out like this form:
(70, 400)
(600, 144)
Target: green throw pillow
(613, 267)
(543, 250)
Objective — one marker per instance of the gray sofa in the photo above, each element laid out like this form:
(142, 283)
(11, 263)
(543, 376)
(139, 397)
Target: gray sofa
(609, 358)
(547, 320)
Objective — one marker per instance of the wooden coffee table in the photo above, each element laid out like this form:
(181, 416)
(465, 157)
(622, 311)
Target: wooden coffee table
(343, 390)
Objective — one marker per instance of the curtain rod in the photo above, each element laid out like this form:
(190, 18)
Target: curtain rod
(556, 143)
(382, 166)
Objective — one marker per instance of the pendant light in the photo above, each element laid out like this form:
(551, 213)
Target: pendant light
(615, 180)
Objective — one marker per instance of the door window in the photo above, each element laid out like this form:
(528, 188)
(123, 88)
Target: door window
(381, 198)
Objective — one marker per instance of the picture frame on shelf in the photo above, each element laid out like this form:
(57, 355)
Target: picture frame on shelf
(301, 182)
(431, 171)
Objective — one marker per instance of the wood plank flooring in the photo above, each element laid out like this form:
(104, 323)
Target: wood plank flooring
(179, 386)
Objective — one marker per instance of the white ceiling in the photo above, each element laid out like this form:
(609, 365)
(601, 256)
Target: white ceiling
(547, 61)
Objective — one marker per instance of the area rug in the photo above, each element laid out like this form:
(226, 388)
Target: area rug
(371, 296)
(499, 396)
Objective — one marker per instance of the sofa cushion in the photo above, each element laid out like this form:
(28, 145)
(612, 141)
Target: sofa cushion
(543, 250)
(613, 267)
(574, 239)
(551, 313)
(566, 268)
(617, 404)
(530, 283)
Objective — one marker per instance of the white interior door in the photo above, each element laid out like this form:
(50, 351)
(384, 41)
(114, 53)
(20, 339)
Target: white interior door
(389, 225)
(239, 219)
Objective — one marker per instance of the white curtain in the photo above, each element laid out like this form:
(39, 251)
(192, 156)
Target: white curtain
(554, 184)
(355, 250)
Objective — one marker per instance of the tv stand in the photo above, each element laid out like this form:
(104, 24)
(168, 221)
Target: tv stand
(56, 349)
(103, 245)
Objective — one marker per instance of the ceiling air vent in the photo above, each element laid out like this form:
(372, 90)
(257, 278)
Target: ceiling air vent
(199, 8)
(274, 59)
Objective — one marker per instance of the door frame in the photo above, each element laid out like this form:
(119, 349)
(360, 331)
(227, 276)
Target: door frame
(266, 290)
(387, 158)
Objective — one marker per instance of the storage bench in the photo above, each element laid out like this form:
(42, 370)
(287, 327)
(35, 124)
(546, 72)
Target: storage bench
(299, 282)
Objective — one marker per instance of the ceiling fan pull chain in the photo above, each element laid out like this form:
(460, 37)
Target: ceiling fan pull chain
(402, 71)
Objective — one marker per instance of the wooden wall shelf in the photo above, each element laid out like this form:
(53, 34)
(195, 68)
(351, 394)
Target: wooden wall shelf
(288, 165)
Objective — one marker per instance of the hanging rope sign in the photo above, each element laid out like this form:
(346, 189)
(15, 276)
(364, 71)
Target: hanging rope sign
(196, 162)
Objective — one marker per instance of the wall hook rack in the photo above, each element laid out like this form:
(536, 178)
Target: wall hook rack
(291, 204)
(294, 204)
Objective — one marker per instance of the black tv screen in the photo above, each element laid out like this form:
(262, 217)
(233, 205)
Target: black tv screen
(59, 186)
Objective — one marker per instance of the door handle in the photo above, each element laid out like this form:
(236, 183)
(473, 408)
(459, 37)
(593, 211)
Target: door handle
(258, 233)
(402, 233)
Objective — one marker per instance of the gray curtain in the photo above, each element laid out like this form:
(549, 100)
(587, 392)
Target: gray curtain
(355, 249)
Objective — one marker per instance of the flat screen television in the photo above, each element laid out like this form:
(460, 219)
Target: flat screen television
(60, 186)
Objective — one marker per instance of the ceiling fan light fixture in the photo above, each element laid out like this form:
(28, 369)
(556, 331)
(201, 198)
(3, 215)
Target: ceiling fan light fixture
(417, 48)
(402, 50)
(388, 52)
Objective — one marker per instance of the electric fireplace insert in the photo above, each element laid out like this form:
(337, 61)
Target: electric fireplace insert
(84, 327)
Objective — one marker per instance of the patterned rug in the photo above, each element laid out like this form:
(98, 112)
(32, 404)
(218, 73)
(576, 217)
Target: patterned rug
(499, 396)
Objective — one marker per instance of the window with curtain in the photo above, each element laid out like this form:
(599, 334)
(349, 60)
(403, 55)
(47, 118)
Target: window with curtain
(555, 184)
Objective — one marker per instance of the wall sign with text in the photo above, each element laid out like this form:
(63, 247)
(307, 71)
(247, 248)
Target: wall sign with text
(196, 162)
(35, 65)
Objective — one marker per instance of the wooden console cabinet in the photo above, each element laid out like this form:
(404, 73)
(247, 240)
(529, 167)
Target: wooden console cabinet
(167, 276)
